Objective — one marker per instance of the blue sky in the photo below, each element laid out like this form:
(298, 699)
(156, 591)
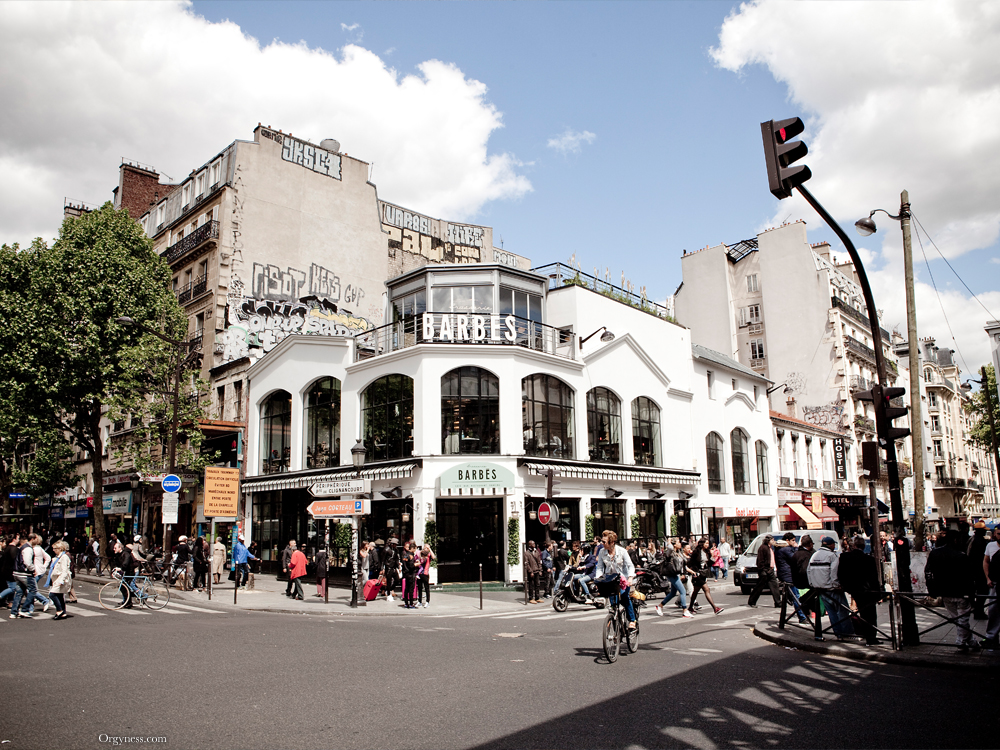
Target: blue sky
(619, 132)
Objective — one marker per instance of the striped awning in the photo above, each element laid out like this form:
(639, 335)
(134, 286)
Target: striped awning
(622, 474)
(270, 482)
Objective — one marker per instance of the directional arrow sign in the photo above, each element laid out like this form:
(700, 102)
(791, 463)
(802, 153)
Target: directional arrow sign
(337, 508)
(339, 487)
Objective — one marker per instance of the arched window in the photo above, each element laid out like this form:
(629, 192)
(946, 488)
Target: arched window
(547, 416)
(387, 417)
(928, 376)
(604, 425)
(322, 418)
(470, 411)
(645, 432)
(716, 463)
(276, 432)
(762, 484)
(741, 461)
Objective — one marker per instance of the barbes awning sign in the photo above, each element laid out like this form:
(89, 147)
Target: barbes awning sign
(477, 478)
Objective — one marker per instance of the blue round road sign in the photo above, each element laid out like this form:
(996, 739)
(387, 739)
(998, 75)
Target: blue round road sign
(171, 483)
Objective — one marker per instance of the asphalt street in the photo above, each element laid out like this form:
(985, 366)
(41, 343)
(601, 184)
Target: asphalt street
(521, 677)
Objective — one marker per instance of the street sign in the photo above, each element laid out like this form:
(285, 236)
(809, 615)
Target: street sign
(222, 491)
(544, 514)
(170, 483)
(339, 508)
(340, 487)
(171, 503)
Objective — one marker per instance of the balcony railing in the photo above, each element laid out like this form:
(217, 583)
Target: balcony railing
(859, 316)
(940, 481)
(207, 231)
(465, 328)
(561, 275)
(855, 346)
(193, 290)
(859, 383)
(864, 424)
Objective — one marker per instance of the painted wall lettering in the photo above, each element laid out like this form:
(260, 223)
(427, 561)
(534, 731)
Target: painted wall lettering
(289, 284)
(457, 234)
(305, 155)
(829, 416)
(507, 259)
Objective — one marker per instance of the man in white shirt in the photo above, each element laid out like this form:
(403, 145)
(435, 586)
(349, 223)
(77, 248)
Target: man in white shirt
(993, 623)
(725, 552)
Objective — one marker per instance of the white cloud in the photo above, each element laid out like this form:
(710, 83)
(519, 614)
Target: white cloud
(571, 141)
(350, 29)
(894, 96)
(84, 84)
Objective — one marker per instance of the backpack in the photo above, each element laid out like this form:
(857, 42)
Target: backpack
(20, 567)
(671, 566)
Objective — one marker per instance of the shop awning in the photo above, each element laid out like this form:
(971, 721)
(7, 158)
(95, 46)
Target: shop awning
(270, 482)
(618, 474)
(828, 514)
(812, 522)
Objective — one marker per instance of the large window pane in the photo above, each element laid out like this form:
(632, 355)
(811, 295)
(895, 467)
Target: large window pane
(470, 412)
(387, 417)
(322, 418)
(604, 425)
(547, 416)
(762, 483)
(716, 463)
(645, 432)
(276, 432)
(741, 462)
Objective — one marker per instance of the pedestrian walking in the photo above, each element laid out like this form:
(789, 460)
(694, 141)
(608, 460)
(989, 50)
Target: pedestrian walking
(200, 563)
(823, 575)
(975, 551)
(297, 566)
(858, 574)
(725, 555)
(991, 566)
(178, 569)
(241, 558)
(671, 569)
(375, 559)
(42, 560)
(699, 566)
(24, 576)
(59, 580)
(322, 570)
(785, 559)
(390, 567)
(218, 559)
(8, 561)
(533, 568)
(409, 567)
(548, 566)
(286, 561)
(424, 577)
(364, 563)
(766, 573)
(560, 561)
(950, 574)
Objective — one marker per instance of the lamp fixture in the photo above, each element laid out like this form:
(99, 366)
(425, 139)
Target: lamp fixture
(654, 495)
(611, 493)
(642, 512)
(682, 495)
(772, 390)
(134, 479)
(358, 454)
(866, 226)
(394, 493)
(606, 337)
(406, 516)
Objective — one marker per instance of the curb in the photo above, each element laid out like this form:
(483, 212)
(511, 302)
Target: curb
(769, 632)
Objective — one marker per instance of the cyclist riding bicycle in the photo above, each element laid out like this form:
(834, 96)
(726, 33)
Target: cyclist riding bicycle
(613, 560)
(125, 564)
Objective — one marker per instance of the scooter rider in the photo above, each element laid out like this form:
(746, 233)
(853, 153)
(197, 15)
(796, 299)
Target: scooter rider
(585, 570)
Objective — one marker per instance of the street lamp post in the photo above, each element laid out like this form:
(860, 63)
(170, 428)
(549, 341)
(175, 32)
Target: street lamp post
(358, 458)
(172, 448)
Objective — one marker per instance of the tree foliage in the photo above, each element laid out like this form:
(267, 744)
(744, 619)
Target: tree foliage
(79, 364)
(977, 408)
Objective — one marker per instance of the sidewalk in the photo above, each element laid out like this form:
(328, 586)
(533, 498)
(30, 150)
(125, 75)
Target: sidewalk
(936, 648)
(268, 595)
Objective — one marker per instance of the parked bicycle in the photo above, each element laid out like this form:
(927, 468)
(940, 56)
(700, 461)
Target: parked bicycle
(616, 627)
(140, 588)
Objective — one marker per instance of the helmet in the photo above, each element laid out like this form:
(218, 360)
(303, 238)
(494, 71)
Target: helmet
(137, 538)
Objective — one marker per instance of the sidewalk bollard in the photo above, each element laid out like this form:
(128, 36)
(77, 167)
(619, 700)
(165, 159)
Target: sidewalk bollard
(480, 585)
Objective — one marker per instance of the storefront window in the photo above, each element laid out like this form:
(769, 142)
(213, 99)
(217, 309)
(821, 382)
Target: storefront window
(716, 463)
(547, 416)
(470, 412)
(612, 517)
(521, 304)
(463, 299)
(387, 417)
(322, 418)
(645, 432)
(406, 311)
(741, 462)
(604, 425)
(276, 432)
(762, 484)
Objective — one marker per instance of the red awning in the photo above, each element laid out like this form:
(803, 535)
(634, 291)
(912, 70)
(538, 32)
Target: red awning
(811, 520)
(828, 514)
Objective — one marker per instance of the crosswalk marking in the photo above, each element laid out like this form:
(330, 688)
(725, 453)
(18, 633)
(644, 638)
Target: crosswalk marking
(173, 608)
(76, 611)
(192, 608)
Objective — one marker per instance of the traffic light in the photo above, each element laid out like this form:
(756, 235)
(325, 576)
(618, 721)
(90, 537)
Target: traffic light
(886, 413)
(550, 490)
(779, 154)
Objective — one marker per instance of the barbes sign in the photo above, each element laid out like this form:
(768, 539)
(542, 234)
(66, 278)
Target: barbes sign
(476, 478)
(484, 329)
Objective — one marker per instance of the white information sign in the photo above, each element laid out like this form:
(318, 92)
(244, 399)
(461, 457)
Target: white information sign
(341, 487)
(171, 502)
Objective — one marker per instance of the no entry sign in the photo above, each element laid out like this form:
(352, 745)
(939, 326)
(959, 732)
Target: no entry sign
(544, 514)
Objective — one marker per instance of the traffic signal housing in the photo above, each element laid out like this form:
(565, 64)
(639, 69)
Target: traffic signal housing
(550, 484)
(780, 152)
(889, 413)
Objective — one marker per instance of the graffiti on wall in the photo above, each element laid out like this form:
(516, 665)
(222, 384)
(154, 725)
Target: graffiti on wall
(255, 326)
(795, 382)
(306, 155)
(290, 284)
(830, 416)
(457, 234)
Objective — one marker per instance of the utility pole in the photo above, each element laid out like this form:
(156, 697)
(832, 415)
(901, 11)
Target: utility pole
(985, 385)
(916, 415)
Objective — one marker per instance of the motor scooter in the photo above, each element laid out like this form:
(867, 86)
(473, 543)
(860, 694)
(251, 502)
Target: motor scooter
(571, 591)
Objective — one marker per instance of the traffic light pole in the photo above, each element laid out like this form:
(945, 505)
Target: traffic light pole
(910, 632)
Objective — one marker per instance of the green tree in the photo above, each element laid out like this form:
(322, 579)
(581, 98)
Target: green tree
(977, 407)
(80, 363)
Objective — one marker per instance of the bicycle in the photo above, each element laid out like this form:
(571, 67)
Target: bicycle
(149, 593)
(616, 623)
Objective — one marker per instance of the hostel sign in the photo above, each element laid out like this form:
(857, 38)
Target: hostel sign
(840, 459)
